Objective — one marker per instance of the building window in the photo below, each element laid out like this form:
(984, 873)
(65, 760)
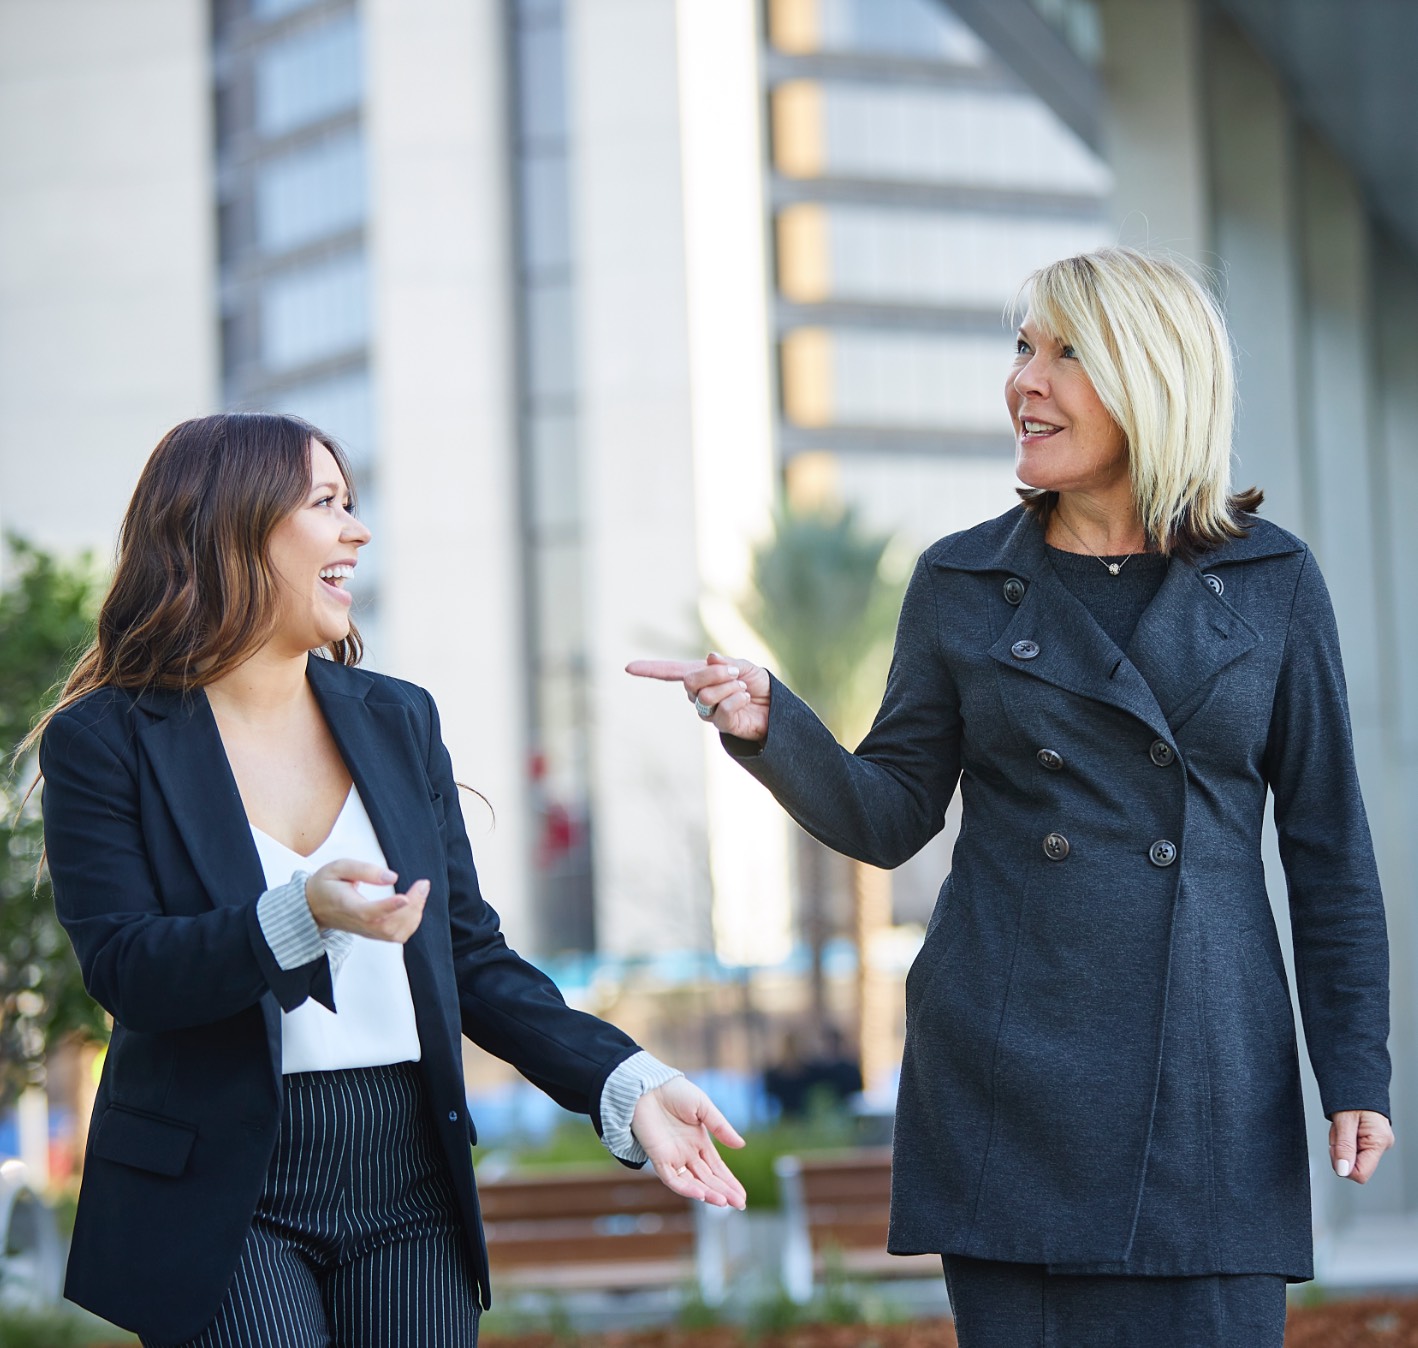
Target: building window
(310, 193)
(892, 380)
(920, 30)
(891, 255)
(308, 76)
(315, 313)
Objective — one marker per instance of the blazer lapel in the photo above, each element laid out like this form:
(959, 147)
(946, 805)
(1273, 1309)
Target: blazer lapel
(377, 741)
(190, 764)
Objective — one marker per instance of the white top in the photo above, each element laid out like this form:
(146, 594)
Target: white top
(374, 1022)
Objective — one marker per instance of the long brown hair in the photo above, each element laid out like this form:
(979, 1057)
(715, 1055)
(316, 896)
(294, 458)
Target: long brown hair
(194, 592)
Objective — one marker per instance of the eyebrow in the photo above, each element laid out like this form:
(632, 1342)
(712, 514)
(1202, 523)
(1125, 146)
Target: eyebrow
(330, 486)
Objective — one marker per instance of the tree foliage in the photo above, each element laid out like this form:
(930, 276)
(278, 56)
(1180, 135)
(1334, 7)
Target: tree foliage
(46, 619)
(825, 603)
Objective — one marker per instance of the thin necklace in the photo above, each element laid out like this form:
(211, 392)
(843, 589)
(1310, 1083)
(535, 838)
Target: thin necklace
(1113, 567)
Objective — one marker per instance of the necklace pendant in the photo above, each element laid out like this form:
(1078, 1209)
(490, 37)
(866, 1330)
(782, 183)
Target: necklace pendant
(1114, 568)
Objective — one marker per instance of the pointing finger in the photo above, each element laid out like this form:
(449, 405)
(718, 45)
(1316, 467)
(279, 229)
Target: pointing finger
(668, 671)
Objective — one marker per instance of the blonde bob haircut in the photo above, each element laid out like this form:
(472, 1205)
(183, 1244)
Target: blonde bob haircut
(1155, 346)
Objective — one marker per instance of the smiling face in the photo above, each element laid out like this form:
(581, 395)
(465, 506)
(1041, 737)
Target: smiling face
(314, 552)
(1064, 438)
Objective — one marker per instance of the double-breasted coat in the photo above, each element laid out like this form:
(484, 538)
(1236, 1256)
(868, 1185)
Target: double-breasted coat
(156, 879)
(1104, 938)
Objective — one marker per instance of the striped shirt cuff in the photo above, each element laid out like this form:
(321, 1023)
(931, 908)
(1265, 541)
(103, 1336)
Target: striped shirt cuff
(639, 1073)
(290, 930)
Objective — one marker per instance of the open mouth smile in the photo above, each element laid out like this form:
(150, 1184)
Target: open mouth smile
(1032, 432)
(333, 579)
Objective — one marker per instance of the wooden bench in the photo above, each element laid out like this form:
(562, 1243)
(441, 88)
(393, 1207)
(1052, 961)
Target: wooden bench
(835, 1210)
(594, 1229)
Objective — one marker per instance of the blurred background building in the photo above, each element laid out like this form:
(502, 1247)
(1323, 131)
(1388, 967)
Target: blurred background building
(584, 285)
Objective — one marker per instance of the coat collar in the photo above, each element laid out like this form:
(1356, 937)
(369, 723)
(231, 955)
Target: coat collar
(1184, 639)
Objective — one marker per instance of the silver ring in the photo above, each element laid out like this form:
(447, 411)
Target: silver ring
(705, 713)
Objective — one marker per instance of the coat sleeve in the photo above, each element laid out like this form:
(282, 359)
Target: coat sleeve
(508, 1006)
(884, 802)
(151, 969)
(1336, 908)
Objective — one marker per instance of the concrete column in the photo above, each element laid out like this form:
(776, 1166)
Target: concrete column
(108, 329)
(1337, 418)
(1155, 124)
(442, 359)
(1257, 266)
(641, 586)
(1395, 480)
(731, 411)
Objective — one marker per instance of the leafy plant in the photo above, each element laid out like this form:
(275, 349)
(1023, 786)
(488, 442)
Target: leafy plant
(46, 619)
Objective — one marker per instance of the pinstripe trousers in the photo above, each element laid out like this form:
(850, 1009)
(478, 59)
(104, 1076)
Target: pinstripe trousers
(357, 1241)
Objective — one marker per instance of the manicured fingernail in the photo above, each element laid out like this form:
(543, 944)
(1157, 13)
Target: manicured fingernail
(732, 671)
(1342, 1168)
(390, 877)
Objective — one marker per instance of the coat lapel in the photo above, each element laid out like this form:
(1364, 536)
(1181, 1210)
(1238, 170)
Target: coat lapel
(1184, 639)
(1186, 636)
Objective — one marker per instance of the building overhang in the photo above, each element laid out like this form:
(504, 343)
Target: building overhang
(1347, 66)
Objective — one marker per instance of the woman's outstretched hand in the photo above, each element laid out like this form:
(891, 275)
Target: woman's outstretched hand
(735, 693)
(1358, 1139)
(335, 901)
(676, 1124)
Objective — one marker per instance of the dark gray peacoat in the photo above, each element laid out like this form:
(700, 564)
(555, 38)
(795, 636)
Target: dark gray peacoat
(1110, 851)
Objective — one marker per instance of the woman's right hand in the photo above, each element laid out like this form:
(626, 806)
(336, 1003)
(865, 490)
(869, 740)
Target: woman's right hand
(336, 902)
(737, 690)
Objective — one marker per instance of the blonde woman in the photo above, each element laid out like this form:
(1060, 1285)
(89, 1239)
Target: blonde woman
(1099, 1124)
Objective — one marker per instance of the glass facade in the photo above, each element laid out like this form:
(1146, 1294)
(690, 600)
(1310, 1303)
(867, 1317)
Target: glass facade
(915, 185)
(313, 192)
(949, 258)
(307, 76)
(558, 759)
(292, 212)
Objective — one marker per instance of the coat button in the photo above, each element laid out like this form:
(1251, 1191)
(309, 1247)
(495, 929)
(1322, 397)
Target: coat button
(1214, 582)
(1024, 650)
(1050, 758)
(1014, 590)
(452, 1116)
(1162, 852)
(1161, 753)
(1056, 847)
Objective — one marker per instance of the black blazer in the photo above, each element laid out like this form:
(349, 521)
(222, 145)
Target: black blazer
(1106, 912)
(156, 879)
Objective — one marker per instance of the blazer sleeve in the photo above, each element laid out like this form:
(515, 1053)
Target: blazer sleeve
(884, 802)
(150, 968)
(508, 1006)
(1336, 907)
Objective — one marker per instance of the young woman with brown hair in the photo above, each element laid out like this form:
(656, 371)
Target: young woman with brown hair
(258, 853)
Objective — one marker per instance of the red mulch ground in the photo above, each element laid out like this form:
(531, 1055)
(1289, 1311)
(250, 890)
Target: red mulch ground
(1368, 1323)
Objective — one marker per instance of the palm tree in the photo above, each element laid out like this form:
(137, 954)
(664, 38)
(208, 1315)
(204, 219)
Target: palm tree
(824, 602)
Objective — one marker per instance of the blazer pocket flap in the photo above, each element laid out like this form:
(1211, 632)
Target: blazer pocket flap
(143, 1141)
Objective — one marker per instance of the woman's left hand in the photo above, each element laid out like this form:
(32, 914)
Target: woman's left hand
(674, 1123)
(1357, 1139)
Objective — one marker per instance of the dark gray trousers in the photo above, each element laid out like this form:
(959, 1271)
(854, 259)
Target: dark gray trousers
(999, 1305)
(356, 1242)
